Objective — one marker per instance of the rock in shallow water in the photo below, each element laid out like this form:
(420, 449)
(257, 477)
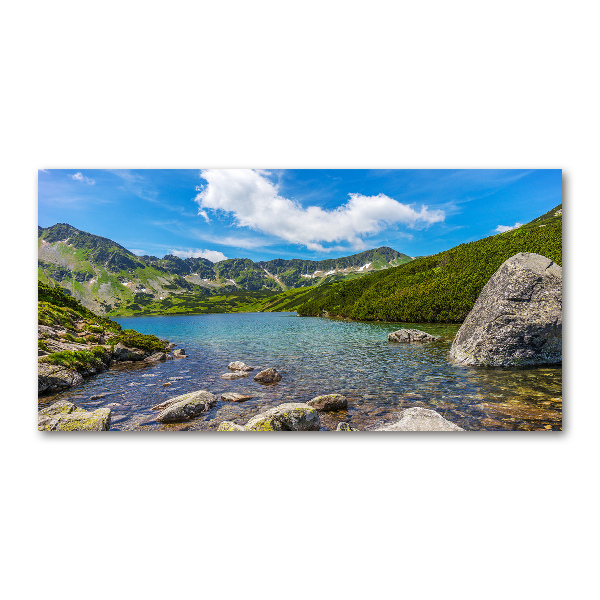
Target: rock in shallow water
(517, 319)
(238, 365)
(185, 407)
(235, 375)
(292, 416)
(268, 376)
(407, 336)
(329, 402)
(345, 427)
(65, 416)
(421, 419)
(235, 397)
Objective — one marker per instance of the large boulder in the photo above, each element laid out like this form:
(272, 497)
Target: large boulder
(156, 357)
(329, 402)
(238, 365)
(179, 353)
(421, 419)
(268, 376)
(407, 336)
(65, 416)
(517, 319)
(55, 378)
(185, 407)
(292, 416)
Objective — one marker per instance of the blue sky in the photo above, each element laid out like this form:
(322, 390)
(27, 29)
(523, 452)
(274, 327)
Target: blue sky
(296, 213)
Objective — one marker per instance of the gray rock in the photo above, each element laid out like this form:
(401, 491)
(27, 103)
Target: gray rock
(235, 397)
(421, 419)
(517, 319)
(55, 378)
(235, 375)
(329, 402)
(179, 353)
(268, 376)
(62, 407)
(185, 407)
(407, 336)
(345, 427)
(157, 356)
(230, 426)
(238, 365)
(65, 416)
(292, 416)
(123, 353)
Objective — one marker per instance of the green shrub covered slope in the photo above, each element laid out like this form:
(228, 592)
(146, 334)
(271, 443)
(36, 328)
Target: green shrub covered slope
(441, 288)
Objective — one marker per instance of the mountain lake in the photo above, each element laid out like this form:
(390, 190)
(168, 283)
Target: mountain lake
(317, 356)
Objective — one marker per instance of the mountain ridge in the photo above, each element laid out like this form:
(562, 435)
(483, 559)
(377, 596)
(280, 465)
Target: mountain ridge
(108, 278)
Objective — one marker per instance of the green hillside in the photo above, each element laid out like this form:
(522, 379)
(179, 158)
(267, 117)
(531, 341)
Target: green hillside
(72, 336)
(109, 279)
(440, 288)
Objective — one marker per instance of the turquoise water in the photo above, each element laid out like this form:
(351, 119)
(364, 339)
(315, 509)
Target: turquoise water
(319, 356)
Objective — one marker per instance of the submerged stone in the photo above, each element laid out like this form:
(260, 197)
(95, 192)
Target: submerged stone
(268, 376)
(329, 402)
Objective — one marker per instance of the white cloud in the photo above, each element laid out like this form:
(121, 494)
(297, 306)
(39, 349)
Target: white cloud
(503, 228)
(137, 252)
(212, 255)
(82, 178)
(255, 202)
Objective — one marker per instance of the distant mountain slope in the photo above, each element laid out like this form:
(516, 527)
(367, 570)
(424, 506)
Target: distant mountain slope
(108, 278)
(442, 287)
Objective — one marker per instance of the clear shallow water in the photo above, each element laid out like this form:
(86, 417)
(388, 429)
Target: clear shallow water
(319, 356)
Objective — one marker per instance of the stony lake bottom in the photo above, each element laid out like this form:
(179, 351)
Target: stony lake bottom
(318, 356)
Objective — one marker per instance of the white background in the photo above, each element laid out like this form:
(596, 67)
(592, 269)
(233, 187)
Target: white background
(310, 84)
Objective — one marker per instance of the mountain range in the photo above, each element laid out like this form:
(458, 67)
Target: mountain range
(109, 279)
